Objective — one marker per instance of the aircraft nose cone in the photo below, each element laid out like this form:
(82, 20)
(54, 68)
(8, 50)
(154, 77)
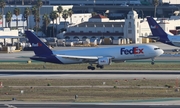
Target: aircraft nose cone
(161, 52)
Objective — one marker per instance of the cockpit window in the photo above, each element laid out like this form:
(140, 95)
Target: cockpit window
(156, 48)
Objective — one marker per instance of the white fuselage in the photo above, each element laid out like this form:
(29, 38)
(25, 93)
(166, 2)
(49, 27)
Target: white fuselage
(118, 53)
(175, 40)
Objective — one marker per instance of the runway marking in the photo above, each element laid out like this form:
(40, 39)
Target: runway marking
(10, 106)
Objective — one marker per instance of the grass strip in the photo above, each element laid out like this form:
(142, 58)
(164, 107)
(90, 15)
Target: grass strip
(50, 90)
(114, 66)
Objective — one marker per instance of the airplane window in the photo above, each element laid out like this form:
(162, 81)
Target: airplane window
(156, 48)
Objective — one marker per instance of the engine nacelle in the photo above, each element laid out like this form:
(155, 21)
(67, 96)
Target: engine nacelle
(104, 61)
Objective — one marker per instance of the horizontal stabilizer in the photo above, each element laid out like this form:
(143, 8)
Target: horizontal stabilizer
(151, 37)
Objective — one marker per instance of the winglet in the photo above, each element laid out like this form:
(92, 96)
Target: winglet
(39, 48)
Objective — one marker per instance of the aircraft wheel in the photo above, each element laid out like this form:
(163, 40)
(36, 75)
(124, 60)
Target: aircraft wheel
(152, 63)
(92, 68)
(101, 67)
(97, 66)
(89, 67)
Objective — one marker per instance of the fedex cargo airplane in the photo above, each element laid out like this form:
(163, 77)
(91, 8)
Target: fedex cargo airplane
(99, 56)
(161, 35)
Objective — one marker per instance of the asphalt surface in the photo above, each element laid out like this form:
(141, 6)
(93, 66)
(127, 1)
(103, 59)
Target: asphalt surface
(85, 74)
(25, 55)
(84, 105)
(87, 106)
(89, 74)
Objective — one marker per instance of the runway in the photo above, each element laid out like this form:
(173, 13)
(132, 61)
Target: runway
(25, 55)
(89, 74)
(15, 104)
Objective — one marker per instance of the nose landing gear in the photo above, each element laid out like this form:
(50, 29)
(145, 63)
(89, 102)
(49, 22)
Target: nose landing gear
(152, 62)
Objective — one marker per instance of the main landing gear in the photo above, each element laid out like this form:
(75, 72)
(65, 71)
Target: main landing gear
(100, 66)
(93, 68)
(152, 62)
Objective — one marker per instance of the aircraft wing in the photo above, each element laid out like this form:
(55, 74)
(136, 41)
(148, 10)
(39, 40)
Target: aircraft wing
(79, 57)
(175, 41)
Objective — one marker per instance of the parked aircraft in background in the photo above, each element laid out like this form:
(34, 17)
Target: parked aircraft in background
(99, 56)
(160, 35)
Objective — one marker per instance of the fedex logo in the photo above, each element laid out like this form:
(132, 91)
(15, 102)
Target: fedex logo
(36, 44)
(154, 27)
(134, 50)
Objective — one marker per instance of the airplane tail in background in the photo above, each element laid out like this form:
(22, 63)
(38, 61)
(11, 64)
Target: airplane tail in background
(156, 29)
(39, 47)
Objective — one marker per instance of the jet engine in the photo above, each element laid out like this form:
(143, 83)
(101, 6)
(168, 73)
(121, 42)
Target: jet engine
(104, 61)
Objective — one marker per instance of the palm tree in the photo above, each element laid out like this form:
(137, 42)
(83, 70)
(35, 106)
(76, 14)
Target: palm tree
(70, 12)
(46, 22)
(39, 5)
(34, 11)
(53, 16)
(2, 5)
(37, 19)
(26, 14)
(155, 3)
(65, 16)
(59, 9)
(8, 18)
(16, 12)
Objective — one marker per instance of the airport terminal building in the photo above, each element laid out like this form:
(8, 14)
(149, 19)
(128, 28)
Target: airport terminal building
(88, 2)
(132, 27)
(97, 2)
(99, 27)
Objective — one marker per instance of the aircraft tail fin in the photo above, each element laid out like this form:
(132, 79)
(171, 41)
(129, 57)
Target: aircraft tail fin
(156, 29)
(39, 47)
